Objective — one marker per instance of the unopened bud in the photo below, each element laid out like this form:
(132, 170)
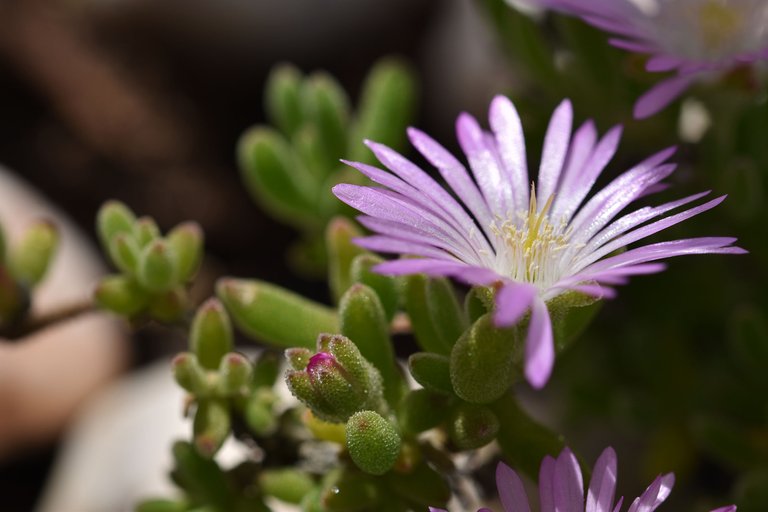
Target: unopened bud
(373, 442)
(298, 358)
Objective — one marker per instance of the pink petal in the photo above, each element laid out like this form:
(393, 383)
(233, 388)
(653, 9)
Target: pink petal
(512, 300)
(555, 149)
(539, 346)
(602, 486)
(547, 485)
(511, 490)
(661, 95)
(506, 125)
(569, 485)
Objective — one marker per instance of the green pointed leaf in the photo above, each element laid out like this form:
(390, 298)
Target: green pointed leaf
(384, 286)
(283, 98)
(275, 315)
(121, 295)
(32, 257)
(431, 371)
(211, 334)
(113, 217)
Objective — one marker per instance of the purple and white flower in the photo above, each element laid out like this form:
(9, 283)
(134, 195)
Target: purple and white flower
(693, 38)
(561, 488)
(531, 243)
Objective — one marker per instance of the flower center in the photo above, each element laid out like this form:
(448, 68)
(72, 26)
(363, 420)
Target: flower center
(710, 30)
(531, 244)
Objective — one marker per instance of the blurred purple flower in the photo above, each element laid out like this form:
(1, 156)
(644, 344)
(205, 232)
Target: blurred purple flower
(561, 488)
(531, 243)
(690, 37)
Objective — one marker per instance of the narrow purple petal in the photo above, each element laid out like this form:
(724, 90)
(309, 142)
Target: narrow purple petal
(511, 490)
(661, 95)
(581, 148)
(433, 509)
(646, 231)
(555, 150)
(547, 485)
(390, 245)
(602, 486)
(539, 346)
(636, 218)
(419, 180)
(506, 125)
(631, 46)
(486, 169)
(569, 485)
(438, 268)
(654, 495)
(661, 63)
(727, 508)
(454, 173)
(578, 182)
(619, 503)
(512, 300)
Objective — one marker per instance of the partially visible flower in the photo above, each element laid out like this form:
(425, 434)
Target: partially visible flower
(561, 488)
(690, 37)
(531, 243)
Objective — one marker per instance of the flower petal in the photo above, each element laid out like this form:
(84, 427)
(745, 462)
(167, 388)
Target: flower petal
(547, 485)
(661, 95)
(539, 346)
(511, 490)
(555, 150)
(512, 300)
(654, 495)
(569, 485)
(506, 125)
(602, 486)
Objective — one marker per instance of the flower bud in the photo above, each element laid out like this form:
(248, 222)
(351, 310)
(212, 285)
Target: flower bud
(157, 266)
(482, 362)
(113, 218)
(337, 381)
(235, 374)
(187, 241)
(373, 442)
(211, 334)
(211, 426)
(431, 371)
(286, 484)
(121, 295)
(275, 315)
(473, 426)
(189, 374)
(31, 258)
